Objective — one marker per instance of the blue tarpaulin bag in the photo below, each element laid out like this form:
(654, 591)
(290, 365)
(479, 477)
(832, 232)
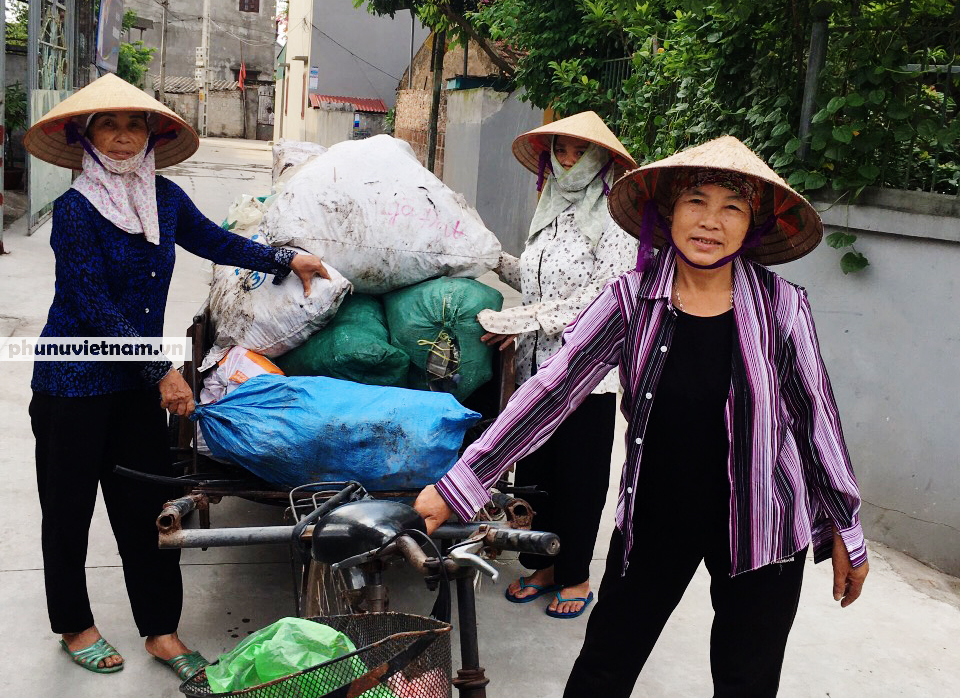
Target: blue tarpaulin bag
(294, 430)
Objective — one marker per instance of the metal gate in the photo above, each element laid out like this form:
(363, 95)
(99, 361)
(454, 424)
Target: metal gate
(265, 116)
(50, 81)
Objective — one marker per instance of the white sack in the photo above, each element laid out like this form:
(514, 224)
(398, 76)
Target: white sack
(287, 154)
(380, 217)
(249, 310)
(233, 370)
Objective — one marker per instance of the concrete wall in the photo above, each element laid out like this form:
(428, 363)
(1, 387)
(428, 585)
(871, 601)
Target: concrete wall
(890, 337)
(184, 31)
(328, 127)
(380, 49)
(15, 69)
(224, 116)
(480, 126)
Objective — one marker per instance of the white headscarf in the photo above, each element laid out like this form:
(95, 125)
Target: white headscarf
(123, 191)
(579, 185)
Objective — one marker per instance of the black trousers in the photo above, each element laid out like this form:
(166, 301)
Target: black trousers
(79, 440)
(573, 467)
(753, 614)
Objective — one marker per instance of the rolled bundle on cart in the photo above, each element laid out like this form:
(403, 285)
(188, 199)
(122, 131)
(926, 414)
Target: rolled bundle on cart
(293, 430)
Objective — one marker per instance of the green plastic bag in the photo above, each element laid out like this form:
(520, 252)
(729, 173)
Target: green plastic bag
(435, 323)
(355, 346)
(281, 649)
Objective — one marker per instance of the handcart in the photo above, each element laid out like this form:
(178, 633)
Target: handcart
(213, 480)
(343, 537)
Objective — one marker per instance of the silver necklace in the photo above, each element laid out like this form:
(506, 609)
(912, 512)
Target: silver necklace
(676, 292)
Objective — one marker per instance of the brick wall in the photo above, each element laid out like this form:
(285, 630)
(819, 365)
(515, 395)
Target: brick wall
(412, 120)
(412, 113)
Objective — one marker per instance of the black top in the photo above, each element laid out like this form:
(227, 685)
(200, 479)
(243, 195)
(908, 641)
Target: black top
(686, 443)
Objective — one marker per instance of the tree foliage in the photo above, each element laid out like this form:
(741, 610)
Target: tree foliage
(16, 29)
(134, 58)
(702, 68)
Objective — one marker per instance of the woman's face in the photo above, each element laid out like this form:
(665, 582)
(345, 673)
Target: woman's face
(119, 135)
(710, 222)
(569, 150)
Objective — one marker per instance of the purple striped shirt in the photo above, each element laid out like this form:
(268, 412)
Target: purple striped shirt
(790, 476)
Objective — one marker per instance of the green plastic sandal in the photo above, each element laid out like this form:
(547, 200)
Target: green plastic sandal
(186, 666)
(90, 657)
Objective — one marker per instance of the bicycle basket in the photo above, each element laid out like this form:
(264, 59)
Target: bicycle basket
(399, 655)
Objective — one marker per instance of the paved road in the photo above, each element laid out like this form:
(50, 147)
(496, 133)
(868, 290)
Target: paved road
(901, 639)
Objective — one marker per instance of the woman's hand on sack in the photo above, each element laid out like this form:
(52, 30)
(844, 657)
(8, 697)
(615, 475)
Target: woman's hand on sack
(305, 266)
(431, 506)
(175, 395)
(847, 579)
(504, 340)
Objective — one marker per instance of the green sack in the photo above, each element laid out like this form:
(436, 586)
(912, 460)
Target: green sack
(435, 323)
(355, 346)
(281, 649)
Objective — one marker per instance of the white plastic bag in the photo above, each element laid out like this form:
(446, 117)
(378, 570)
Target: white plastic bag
(236, 368)
(249, 310)
(245, 214)
(288, 154)
(380, 217)
(233, 370)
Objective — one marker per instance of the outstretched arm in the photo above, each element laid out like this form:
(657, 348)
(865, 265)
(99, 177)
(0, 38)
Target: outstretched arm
(591, 349)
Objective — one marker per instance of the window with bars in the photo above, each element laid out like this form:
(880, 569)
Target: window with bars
(250, 5)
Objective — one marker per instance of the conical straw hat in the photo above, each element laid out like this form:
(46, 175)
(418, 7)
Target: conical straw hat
(585, 125)
(47, 139)
(797, 228)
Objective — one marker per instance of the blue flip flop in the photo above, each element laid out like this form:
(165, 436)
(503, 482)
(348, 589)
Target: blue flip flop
(573, 614)
(541, 590)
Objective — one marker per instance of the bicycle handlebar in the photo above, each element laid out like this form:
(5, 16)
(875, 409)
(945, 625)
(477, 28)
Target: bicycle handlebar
(502, 538)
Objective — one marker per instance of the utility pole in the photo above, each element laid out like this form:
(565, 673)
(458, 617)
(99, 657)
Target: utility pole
(163, 53)
(243, 93)
(203, 71)
(439, 50)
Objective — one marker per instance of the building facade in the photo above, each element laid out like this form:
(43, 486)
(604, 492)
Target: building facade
(336, 49)
(240, 31)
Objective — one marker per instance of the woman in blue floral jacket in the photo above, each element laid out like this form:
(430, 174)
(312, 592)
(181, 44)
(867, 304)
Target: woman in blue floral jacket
(113, 237)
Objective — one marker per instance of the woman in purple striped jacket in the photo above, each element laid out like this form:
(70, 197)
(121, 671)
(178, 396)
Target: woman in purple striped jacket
(735, 455)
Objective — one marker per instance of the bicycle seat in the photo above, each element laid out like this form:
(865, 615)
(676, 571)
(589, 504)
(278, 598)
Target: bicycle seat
(359, 527)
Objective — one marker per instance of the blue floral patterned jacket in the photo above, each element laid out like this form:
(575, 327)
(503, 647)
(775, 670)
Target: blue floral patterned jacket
(110, 283)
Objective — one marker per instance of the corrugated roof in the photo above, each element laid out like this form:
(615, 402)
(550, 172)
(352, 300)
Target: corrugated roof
(187, 85)
(359, 103)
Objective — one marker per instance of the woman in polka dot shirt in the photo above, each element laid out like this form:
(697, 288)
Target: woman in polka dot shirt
(574, 248)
